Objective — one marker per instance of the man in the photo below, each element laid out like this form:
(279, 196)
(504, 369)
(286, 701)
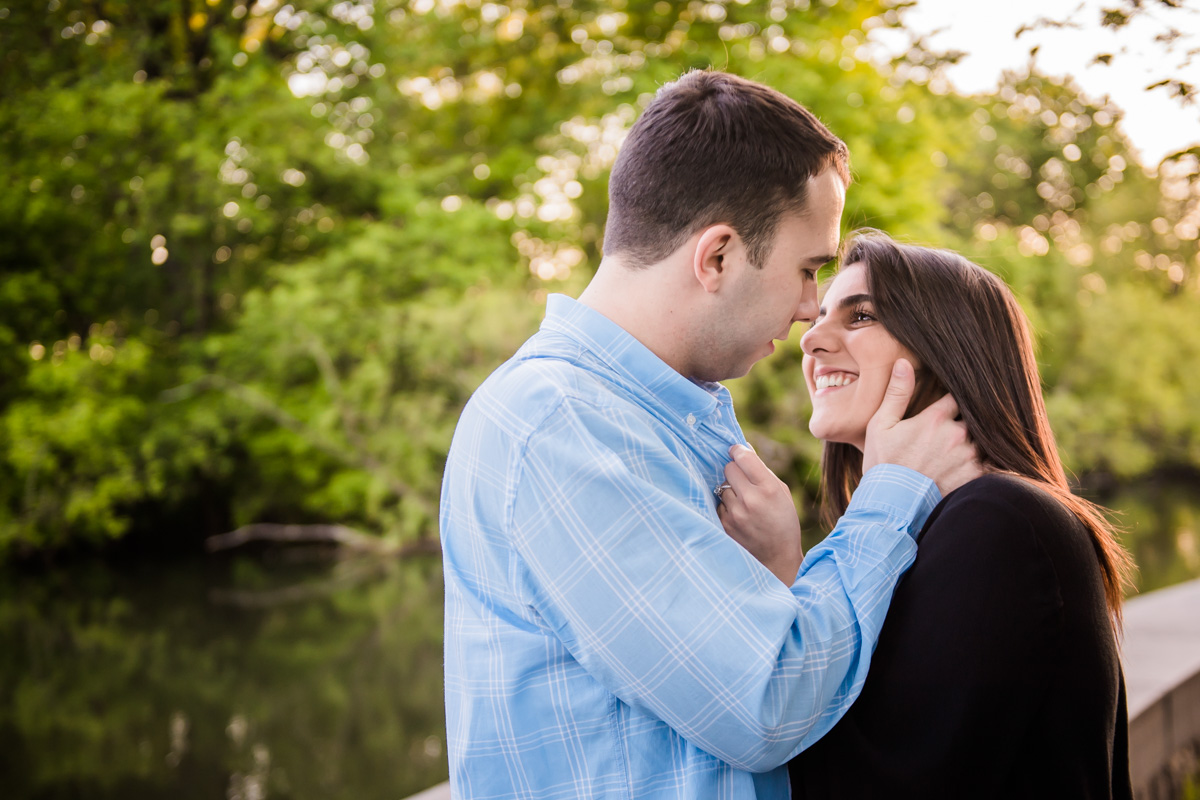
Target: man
(604, 637)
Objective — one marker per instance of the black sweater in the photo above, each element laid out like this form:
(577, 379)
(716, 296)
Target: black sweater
(997, 673)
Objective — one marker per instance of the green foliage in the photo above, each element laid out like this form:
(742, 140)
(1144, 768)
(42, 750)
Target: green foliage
(257, 257)
(353, 366)
(1125, 403)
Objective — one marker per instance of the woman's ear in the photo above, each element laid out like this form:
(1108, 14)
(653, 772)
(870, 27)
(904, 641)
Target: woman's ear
(718, 252)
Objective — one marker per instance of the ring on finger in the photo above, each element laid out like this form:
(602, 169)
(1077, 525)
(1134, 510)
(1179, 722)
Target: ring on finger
(720, 490)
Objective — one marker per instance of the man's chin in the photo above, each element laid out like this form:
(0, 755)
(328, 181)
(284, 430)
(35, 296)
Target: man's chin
(717, 374)
(730, 369)
(740, 371)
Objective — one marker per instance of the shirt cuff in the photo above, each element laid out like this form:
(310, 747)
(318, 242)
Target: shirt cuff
(898, 492)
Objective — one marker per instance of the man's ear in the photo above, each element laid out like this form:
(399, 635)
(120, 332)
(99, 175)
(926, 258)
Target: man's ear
(717, 252)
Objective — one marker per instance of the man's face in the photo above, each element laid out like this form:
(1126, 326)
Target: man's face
(763, 303)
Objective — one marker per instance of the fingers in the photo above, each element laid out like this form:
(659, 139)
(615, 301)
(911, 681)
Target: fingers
(964, 455)
(736, 478)
(945, 406)
(899, 392)
(749, 465)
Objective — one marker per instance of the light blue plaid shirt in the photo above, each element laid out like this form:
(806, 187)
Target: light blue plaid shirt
(604, 636)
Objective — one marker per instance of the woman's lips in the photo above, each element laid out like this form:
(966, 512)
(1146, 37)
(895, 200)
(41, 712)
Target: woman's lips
(832, 379)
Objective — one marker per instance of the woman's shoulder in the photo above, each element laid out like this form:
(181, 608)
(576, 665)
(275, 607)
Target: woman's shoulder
(999, 485)
(1012, 496)
(994, 504)
(1008, 517)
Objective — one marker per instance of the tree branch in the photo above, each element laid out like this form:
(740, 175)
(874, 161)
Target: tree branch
(339, 535)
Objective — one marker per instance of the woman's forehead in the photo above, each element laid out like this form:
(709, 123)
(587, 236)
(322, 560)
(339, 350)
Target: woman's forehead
(849, 279)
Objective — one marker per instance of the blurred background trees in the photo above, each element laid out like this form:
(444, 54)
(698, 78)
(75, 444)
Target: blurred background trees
(255, 256)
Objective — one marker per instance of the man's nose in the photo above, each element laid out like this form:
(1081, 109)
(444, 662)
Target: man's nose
(808, 308)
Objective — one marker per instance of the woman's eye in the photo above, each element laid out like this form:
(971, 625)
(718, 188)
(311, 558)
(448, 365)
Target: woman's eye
(861, 316)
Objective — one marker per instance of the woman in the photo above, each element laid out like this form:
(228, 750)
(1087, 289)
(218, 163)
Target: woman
(997, 672)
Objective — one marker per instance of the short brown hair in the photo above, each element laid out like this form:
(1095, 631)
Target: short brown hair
(972, 339)
(714, 148)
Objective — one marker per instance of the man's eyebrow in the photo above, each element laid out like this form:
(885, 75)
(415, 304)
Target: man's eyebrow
(847, 302)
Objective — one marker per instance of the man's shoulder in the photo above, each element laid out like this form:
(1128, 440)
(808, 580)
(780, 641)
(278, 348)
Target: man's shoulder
(537, 383)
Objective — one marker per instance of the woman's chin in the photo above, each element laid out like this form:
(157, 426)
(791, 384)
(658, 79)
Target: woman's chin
(828, 436)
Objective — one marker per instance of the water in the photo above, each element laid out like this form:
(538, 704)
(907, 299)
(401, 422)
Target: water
(222, 679)
(1161, 523)
(250, 677)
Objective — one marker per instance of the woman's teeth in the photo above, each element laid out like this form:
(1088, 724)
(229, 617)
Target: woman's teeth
(835, 379)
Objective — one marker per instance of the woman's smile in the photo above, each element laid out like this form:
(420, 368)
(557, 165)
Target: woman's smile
(833, 379)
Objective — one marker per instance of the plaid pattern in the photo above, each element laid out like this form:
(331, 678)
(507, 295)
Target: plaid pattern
(604, 637)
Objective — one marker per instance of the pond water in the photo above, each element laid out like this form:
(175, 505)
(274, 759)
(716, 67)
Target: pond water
(255, 677)
(222, 678)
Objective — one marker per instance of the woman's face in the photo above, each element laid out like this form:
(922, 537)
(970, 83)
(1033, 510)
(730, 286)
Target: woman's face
(848, 358)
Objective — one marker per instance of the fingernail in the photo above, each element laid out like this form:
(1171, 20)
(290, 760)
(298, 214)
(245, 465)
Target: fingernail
(900, 368)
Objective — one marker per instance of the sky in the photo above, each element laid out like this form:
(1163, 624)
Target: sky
(1155, 123)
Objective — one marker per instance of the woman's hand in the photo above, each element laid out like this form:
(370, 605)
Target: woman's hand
(758, 513)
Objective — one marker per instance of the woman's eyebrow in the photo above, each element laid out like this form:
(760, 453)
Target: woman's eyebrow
(853, 300)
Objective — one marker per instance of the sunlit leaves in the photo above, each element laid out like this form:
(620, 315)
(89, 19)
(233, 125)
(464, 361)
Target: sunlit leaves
(321, 225)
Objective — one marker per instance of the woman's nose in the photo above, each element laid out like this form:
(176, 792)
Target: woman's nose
(814, 339)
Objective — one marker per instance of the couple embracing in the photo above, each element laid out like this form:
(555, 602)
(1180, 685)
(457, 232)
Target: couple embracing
(629, 613)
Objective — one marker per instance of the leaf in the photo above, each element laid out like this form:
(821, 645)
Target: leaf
(1113, 18)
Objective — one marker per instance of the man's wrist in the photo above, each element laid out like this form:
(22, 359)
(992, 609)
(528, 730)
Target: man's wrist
(899, 493)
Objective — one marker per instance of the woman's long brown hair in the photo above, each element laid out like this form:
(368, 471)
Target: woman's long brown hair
(971, 339)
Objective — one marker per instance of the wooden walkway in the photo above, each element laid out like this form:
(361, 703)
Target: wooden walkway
(1161, 654)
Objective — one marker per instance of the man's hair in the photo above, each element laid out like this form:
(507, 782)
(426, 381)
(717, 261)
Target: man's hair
(714, 148)
(971, 339)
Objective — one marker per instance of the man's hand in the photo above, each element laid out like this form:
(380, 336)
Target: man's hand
(758, 513)
(932, 443)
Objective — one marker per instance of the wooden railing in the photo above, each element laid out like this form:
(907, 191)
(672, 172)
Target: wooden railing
(1161, 653)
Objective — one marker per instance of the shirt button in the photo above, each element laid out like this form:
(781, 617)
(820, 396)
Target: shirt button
(691, 419)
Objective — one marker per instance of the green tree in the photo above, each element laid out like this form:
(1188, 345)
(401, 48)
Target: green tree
(260, 254)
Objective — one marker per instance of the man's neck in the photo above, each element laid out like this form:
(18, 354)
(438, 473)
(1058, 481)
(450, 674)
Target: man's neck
(646, 305)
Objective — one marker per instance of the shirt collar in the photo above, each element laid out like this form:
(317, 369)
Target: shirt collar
(629, 358)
